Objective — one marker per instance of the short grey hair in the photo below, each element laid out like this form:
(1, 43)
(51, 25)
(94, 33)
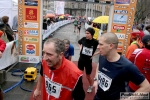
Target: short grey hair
(58, 44)
(111, 38)
(66, 41)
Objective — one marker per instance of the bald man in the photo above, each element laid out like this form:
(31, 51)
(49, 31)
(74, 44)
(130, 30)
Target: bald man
(114, 70)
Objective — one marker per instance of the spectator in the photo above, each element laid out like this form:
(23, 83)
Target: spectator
(8, 31)
(136, 43)
(147, 31)
(140, 57)
(2, 48)
(2, 32)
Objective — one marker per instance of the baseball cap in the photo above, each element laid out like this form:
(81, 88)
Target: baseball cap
(136, 35)
(146, 39)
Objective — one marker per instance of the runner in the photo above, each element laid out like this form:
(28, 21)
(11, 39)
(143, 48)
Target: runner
(88, 46)
(75, 25)
(59, 78)
(141, 58)
(114, 70)
(69, 49)
(79, 26)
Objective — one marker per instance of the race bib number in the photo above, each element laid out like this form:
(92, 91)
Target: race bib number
(52, 88)
(104, 81)
(87, 51)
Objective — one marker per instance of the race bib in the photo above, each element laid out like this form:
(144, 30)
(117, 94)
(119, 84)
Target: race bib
(104, 81)
(87, 51)
(52, 88)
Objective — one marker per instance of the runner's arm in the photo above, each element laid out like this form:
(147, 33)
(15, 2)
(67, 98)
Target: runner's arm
(39, 83)
(144, 86)
(80, 46)
(96, 73)
(78, 93)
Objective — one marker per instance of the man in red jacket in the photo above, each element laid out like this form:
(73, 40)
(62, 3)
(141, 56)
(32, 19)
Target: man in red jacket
(60, 79)
(141, 58)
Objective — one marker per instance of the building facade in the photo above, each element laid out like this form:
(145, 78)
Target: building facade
(85, 9)
(77, 8)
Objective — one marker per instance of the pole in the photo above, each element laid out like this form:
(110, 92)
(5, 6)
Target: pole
(110, 18)
(103, 11)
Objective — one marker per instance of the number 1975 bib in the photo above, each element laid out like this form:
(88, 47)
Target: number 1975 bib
(104, 81)
(52, 88)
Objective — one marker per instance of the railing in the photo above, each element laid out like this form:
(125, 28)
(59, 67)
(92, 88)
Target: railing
(54, 27)
(10, 55)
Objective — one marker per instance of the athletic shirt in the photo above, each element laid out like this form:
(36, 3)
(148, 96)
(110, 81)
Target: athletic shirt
(141, 58)
(69, 52)
(75, 22)
(113, 75)
(88, 47)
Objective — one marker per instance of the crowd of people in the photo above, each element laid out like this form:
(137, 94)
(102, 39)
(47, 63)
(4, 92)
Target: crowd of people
(6, 35)
(61, 79)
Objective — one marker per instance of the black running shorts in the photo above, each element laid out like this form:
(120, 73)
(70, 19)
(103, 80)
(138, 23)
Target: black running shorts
(85, 63)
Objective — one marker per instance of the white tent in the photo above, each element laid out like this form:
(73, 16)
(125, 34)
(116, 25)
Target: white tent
(9, 8)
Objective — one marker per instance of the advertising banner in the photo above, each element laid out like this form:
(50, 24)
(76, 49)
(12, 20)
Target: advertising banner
(29, 30)
(123, 18)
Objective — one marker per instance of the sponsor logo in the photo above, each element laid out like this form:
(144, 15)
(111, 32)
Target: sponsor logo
(121, 11)
(30, 25)
(118, 28)
(33, 59)
(31, 2)
(31, 14)
(24, 59)
(30, 49)
(120, 43)
(119, 48)
(120, 19)
(31, 32)
(29, 59)
(30, 39)
(122, 1)
(120, 36)
(122, 7)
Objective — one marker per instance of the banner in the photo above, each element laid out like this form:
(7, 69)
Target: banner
(123, 18)
(29, 30)
(60, 7)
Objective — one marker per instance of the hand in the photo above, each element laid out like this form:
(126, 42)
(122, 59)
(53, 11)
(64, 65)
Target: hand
(1, 54)
(92, 57)
(95, 84)
(36, 94)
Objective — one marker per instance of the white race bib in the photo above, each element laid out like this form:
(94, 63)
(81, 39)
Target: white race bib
(87, 51)
(104, 81)
(52, 88)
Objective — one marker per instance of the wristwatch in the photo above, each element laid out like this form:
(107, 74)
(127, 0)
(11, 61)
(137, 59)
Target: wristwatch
(95, 79)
